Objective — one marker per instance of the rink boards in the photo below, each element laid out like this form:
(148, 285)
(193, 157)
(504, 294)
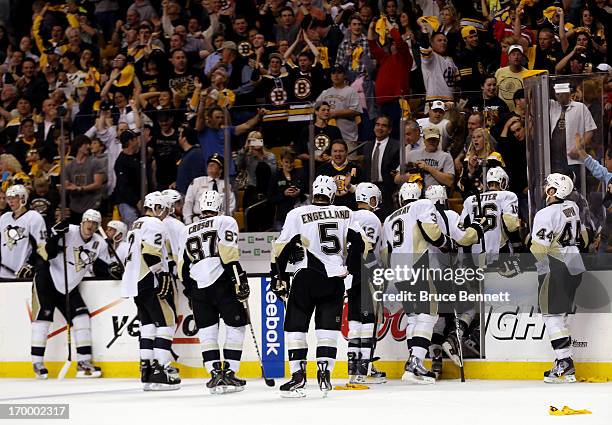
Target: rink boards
(516, 343)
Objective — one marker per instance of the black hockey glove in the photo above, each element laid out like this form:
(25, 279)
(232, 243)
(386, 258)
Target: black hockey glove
(164, 284)
(242, 287)
(477, 226)
(449, 245)
(510, 267)
(296, 254)
(60, 228)
(115, 270)
(279, 284)
(25, 272)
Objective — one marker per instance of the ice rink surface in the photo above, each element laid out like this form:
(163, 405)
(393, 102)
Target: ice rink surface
(122, 401)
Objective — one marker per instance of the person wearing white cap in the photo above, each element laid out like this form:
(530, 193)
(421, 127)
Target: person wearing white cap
(510, 78)
(436, 119)
(258, 164)
(567, 119)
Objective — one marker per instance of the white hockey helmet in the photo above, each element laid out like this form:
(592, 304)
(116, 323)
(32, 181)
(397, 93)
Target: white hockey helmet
(211, 200)
(92, 215)
(409, 191)
(326, 186)
(498, 175)
(121, 229)
(365, 192)
(156, 199)
(562, 184)
(436, 193)
(173, 196)
(20, 191)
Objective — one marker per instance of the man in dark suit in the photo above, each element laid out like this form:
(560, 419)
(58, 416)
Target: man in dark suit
(381, 161)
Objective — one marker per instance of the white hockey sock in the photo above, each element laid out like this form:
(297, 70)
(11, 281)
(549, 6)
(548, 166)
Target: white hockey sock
(411, 321)
(209, 344)
(559, 335)
(40, 330)
(327, 342)
(367, 329)
(147, 337)
(82, 336)
(354, 336)
(163, 344)
(422, 334)
(232, 350)
(297, 347)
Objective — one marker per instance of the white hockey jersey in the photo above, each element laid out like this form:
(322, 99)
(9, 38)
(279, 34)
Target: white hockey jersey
(174, 228)
(555, 232)
(206, 243)
(372, 229)
(17, 237)
(80, 256)
(323, 231)
(497, 207)
(147, 236)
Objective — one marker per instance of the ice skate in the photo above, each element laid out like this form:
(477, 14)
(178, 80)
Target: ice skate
(357, 371)
(86, 370)
(40, 371)
(451, 347)
(163, 378)
(372, 375)
(416, 373)
(436, 360)
(562, 372)
(323, 377)
(145, 374)
(294, 388)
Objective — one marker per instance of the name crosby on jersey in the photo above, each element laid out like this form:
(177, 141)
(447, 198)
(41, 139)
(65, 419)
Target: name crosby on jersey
(324, 215)
(200, 225)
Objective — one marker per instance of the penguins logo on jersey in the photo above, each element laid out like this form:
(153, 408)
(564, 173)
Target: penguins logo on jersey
(83, 258)
(322, 142)
(13, 235)
(302, 88)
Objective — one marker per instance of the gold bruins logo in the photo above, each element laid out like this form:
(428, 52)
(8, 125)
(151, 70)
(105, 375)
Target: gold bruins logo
(321, 142)
(340, 180)
(83, 258)
(244, 48)
(13, 235)
(302, 88)
(278, 96)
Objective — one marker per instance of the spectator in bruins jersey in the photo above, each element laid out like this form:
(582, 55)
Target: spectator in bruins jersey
(45, 200)
(324, 133)
(548, 52)
(480, 156)
(488, 102)
(471, 63)
(306, 80)
(347, 174)
(25, 140)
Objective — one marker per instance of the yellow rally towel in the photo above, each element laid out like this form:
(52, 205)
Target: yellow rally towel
(566, 411)
(324, 57)
(594, 379)
(381, 29)
(405, 107)
(227, 98)
(356, 55)
(351, 387)
(126, 76)
(431, 20)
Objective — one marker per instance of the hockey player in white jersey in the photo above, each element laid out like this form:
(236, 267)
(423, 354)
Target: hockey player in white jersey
(450, 224)
(217, 287)
(500, 214)
(325, 243)
(147, 279)
(557, 237)
(174, 228)
(116, 232)
(83, 248)
(23, 235)
(408, 234)
(361, 312)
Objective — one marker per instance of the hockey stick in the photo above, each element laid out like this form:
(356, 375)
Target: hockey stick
(66, 366)
(269, 381)
(457, 326)
(111, 248)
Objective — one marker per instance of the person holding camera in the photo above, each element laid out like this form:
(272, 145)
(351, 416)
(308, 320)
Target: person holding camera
(287, 187)
(479, 157)
(255, 164)
(435, 165)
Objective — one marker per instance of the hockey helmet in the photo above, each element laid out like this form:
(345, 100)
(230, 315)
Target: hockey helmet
(562, 184)
(365, 192)
(173, 196)
(498, 175)
(211, 200)
(409, 191)
(324, 185)
(20, 191)
(92, 215)
(436, 193)
(120, 229)
(156, 199)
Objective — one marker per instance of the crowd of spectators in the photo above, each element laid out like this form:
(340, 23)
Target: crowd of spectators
(107, 78)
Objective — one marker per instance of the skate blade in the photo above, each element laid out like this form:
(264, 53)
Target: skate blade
(42, 377)
(325, 391)
(146, 386)
(351, 386)
(163, 387)
(567, 379)
(411, 378)
(297, 393)
(451, 355)
(225, 389)
(375, 380)
(87, 375)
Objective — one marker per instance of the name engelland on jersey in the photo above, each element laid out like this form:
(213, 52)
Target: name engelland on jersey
(426, 296)
(411, 275)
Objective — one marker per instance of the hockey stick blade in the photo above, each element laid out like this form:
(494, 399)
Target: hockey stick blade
(64, 370)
